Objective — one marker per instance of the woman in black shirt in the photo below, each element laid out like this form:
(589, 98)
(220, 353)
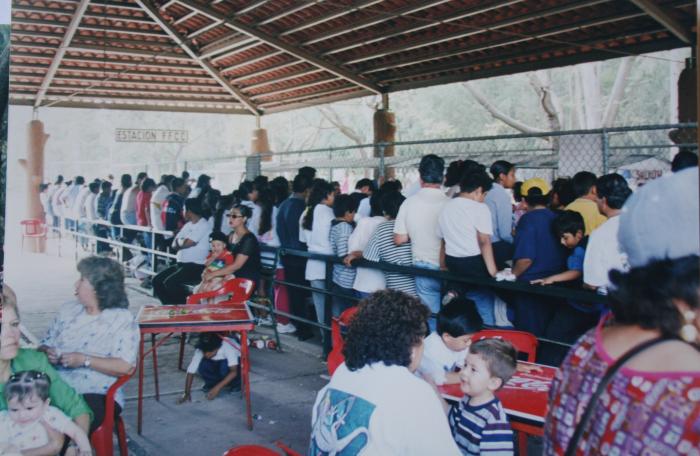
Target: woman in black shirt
(244, 246)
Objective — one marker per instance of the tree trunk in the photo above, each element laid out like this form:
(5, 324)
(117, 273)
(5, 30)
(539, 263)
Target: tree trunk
(617, 92)
(500, 115)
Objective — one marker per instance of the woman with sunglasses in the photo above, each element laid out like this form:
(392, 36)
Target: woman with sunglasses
(244, 246)
(15, 359)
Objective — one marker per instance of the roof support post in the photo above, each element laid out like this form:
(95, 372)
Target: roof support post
(663, 17)
(208, 67)
(60, 52)
(281, 45)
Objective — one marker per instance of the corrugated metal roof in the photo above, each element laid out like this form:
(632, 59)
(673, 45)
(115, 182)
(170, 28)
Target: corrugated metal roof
(261, 56)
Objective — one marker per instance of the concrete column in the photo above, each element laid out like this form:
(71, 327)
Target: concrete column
(34, 167)
(384, 131)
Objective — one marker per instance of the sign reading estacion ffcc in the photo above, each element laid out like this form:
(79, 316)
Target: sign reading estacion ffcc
(151, 136)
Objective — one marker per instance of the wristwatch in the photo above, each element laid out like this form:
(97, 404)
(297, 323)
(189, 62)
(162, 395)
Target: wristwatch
(86, 363)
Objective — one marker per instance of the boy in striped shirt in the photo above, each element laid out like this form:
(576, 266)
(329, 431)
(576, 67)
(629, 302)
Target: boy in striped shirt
(479, 422)
(344, 209)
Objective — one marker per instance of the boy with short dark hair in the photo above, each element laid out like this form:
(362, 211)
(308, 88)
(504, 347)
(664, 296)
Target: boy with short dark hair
(569, 227)
(215, 359)
(479, 423)
(586, 192)
(444, 350)
(344, 209)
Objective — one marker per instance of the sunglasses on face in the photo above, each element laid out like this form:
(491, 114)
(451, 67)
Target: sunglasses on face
(234, 216)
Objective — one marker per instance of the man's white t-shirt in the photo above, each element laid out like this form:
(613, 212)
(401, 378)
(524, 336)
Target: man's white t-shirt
(418, 218)
(437, 359)
(199, 233)
(603, 254)
(319, 241)
(227, 352)
(79, 203)
(379, 410)
(90, 206)
(129, 202)
(364, 209)
(367, 280)
(458, 224)
(156, 206)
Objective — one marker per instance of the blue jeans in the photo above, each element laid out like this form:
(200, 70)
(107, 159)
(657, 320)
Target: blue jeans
(483, 298)
(319, 302)
(428, 290)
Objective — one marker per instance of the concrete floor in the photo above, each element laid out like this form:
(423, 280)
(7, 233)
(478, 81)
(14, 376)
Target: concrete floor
(284, 384)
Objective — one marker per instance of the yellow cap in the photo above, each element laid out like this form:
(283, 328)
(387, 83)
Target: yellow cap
(535, 182)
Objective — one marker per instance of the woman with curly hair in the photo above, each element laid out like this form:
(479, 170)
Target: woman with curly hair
(94, 340)
(374, 404)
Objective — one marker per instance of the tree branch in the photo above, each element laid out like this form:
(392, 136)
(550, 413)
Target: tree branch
(497, 114)
(330, 115)
(617, 92)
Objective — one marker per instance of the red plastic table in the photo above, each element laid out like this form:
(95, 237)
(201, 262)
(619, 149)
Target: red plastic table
(524, 397)
(169, 320)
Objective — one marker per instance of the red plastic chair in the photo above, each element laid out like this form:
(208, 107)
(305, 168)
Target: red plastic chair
(240, 290)
(287, 451)
(250, 450)
(101, 438)
(524, 342)
(33, 229)
(335, 357)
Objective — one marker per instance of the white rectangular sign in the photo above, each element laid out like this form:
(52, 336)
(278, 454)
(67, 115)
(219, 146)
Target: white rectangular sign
(151, 136)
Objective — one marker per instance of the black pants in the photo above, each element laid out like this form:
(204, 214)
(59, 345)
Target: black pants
(567, 325)
(171, 284)
(96, 402)
(295, 272)
(502, 252)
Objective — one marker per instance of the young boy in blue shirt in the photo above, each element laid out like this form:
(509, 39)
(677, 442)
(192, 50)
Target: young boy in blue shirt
(445, 350)
(571, 319)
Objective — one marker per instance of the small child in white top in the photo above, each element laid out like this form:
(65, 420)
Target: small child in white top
(216, 361)
(28, 411)
(444, 351)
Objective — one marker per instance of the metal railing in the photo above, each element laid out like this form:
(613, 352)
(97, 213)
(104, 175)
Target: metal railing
(552, 291)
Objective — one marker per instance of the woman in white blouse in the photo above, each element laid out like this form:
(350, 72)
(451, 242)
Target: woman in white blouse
(316, 227)
(95, 340)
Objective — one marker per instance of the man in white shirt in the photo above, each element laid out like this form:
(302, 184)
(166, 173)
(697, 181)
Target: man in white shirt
(192, 244)
(374, 404)
(417, 222)
(156, 207)
(603, 252)
(68, 200)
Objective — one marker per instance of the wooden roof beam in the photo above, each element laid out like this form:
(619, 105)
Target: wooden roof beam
(207, 66)
(65, 43)
(146, 106)
(277, 67)
(282, 46)
(227, 43)
(257, 59)
(665, 17)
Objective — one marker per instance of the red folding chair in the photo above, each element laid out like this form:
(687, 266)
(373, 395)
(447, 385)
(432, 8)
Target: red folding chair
(524, 342)
(287, 451)
(335, 357)
(101, 438)
(237, 291)
(33, 229)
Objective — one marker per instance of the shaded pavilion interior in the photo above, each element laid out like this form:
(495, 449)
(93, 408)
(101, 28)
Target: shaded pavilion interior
(266, 56)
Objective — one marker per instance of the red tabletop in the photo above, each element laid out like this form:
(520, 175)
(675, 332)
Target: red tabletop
(193, 315)
(524, 397)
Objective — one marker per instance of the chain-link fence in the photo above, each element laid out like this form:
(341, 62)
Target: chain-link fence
(639, 153)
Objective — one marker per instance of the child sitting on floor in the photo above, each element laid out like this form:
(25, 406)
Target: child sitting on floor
(479, 422)
(21, 428)
(215, 359)
(219, 257)
(444, 351)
